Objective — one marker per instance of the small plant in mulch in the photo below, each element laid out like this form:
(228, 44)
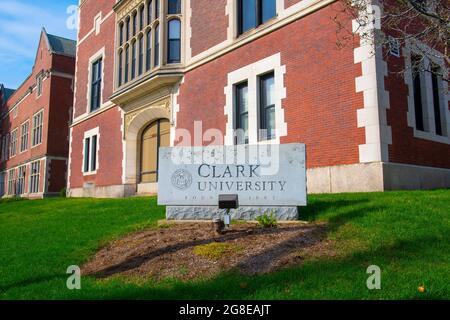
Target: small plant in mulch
(216, 250)
(267, 220)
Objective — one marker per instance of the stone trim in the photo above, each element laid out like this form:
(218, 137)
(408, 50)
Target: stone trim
(372, 116)
(427, 98)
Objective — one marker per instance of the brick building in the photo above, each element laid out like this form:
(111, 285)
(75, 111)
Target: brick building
(34, 123)
(150, 71)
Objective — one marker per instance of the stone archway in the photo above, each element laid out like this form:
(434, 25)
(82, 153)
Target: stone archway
(135, 122)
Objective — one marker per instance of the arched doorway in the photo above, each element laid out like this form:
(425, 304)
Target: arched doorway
(155, 136)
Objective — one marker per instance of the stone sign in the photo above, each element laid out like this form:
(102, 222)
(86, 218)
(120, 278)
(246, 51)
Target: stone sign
(261, 175)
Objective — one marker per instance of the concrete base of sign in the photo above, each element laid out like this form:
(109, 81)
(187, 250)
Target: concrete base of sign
(243, 213)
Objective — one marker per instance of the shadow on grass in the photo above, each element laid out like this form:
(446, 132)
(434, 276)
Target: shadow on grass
(319, 206)
(32, 281)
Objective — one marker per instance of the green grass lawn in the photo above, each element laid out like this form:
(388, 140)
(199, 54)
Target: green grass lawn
(407, 234)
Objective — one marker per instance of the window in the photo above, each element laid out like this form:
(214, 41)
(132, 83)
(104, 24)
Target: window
(157, 46)
(24, 136)
(252, 13)
(21, 180)
(96, 85)
(39, 85)
(127, 29)
(133, 60)
(174, 7)
(148, 55)
(141, 56)
(11, 182)
(174, 41)
(13, 144)
(254, 100)
(5, 147)
(34, 176)
(418, 103)
(134, 23)
(436, 79)
(241, 121)
(90, 153)
(141, 17)
(127, 63)
(157, 9)
(267, 107)
(97, 24)
(121, 34)
(37, 128)
(149, 12)
(427, 105)
(120, 69)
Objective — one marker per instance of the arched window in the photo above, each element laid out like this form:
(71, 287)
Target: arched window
(121, 33)
(174, 41)
(156, 46)
(148, 55)
(134, 23)
(133, 60)
(120, 69)
(127, 63)
(155, 136)
(141, 55)
(127, 29)
(149, 12)
(157, 9)
(141, 17)
(174, 7)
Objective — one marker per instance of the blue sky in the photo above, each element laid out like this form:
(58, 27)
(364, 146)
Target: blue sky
(21, 22)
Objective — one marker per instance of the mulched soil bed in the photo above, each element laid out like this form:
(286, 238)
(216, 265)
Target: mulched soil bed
(169, 251)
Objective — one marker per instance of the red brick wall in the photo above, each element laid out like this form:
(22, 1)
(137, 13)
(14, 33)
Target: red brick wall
(209, 24)
(110, 150)
(56, 101)
(88, 10)
(61, 102)
(57, 179)
(91, 45)
(321, 104)
(405, 147)
(288, 3)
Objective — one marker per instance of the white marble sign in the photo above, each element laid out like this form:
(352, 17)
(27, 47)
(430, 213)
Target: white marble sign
(262, 175)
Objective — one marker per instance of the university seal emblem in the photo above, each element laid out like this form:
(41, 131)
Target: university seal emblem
(181, 179)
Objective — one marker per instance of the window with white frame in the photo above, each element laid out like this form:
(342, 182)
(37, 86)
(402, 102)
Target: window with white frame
(241, 111)
(39, 78)
(90, 152)
(35, 176)
(13, 144)
(11, 182)
(96, 84)
(428, 101)
(21, 180)
(253, 13)
(38, 120)
(24, 136)
(266, 108)
(254, 97)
